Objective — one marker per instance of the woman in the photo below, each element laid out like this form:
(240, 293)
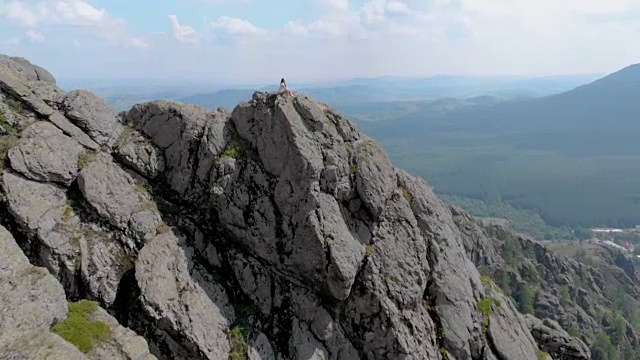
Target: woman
(283, 88)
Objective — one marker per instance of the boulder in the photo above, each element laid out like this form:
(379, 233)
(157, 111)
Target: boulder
(91, 114)
(45, 154)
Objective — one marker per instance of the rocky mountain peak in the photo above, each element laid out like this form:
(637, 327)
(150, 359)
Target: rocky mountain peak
(274, 231)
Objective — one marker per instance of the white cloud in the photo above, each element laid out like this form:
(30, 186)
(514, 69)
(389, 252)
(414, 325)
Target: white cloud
(397, 7)
(336, 5)
(34, 36)
(19, 12)
(296, 28)
(137, 43)
(338, 19)
(341, 39)
(9, 42)
(221, 1)
(376, 11)
(182, 33)
(545, 16)
(49, 12)
(69, 13)
(235, 26)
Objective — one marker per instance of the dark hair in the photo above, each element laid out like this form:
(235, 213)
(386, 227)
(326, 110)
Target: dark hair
(281, 80)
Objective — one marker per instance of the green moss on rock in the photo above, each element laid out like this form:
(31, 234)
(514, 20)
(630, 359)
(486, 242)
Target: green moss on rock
(485, 306)
(79, 329)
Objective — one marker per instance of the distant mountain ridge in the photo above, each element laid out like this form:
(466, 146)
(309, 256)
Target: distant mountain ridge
(372, 90)
(571, 156)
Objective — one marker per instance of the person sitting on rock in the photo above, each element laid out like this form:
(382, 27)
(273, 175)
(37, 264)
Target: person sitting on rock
(283, 88)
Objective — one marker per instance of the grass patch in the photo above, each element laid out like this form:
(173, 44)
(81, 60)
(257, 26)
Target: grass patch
(573, 331)
(444, 353)
(84, 159)
(238, 341)
(139, 188)
(427, 306)
(126, 133)
(407, 195)
(543, 355)
(78, 328)
(349, 148)
(7, 141)
(75, 240)
(487, 282)
(146, 206)
(353, 169)
(231, 151)
(14, 105)
(368, 250)
(238, 334)
(485, 306)
(66, 214)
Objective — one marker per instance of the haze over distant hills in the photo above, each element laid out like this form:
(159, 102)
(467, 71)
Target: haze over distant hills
(375, 90)
(573, 157)
(122, 94)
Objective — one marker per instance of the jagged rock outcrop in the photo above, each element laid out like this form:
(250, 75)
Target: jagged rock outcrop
(275, 231)
(555, 341)
(45, 154)
(32, 300)
(92, 115)
(40, 167)
(585, 300)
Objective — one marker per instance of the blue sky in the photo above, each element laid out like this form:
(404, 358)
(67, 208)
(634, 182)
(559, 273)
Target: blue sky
(235, 41)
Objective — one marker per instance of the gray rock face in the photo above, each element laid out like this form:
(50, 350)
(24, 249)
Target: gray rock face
(93, 115)
(65, 125)
(26, 69)
(46, 154)
(375, 178)
(112, 192)
(18, 79)
(294, 154)
(138, 153)
(177, 130)
(587, 291)
(556, 341)
(260, 348)
(295, 185)
(31, 300)
(124, 343)
(28, 200)
(181, 301)
(276, 231)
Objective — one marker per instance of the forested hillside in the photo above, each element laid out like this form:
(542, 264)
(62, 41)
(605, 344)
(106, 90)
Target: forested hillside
(573, 158)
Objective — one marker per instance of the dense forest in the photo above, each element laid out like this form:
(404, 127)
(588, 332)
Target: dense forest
(524, 221)
(573, 158)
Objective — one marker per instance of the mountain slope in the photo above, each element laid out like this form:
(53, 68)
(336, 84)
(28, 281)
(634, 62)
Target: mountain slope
(579, 148)
(276, 231)
(607, 102)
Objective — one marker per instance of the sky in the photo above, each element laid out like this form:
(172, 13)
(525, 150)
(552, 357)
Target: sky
(250, 41)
